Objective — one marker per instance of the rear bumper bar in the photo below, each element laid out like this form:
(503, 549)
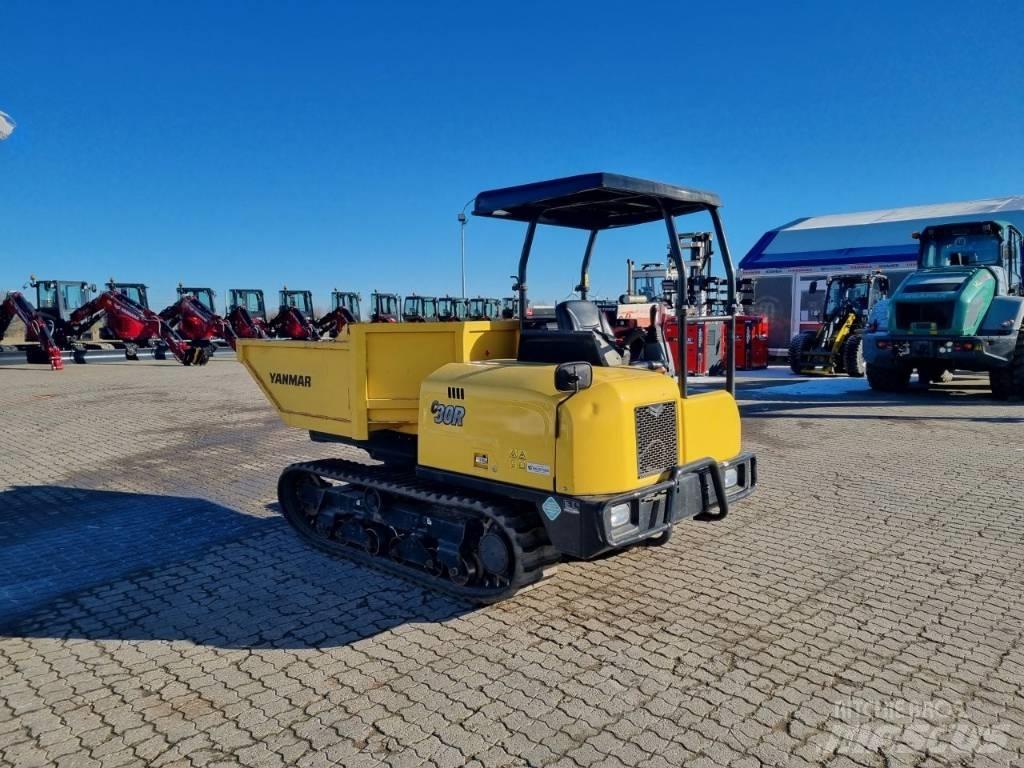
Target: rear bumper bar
(587, 526)
(979, 353)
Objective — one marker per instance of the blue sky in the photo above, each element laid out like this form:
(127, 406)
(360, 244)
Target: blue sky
(333, 144)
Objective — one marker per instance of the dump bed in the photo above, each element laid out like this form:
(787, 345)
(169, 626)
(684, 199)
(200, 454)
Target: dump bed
(369, 377)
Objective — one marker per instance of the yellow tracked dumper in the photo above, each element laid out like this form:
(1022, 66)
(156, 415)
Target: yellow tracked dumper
(506, 445)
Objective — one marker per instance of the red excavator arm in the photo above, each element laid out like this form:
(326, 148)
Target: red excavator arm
(194, 322)
(131, 322)
(290, 323)
(37, 327)
(244, 325)
(334, 322)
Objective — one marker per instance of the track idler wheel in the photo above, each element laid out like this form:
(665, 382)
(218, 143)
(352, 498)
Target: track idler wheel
(307, 492)
(493, 554)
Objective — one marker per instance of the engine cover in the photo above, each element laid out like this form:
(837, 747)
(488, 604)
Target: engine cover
(504, 421)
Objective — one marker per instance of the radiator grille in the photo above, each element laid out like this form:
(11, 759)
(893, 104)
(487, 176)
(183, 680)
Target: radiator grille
(908, 313)
(657, 444)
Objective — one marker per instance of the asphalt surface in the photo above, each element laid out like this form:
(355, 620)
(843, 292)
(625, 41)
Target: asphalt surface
(864, 607)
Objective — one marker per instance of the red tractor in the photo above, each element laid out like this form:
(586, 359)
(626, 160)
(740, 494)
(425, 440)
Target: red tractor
(38, 329)
(295, 318)
(247, 313)
(137, 292)
(482, 308)
(135, 325)
(450, 309)
(205, 296)
(419, 309)
(344, 311)
(510, 308)
(67, 315)
(385, 308)
(55, 301)
(194, 318)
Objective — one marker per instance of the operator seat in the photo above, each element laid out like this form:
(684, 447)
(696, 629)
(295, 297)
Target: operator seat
(583, 334)
(581, 315)
(656, 351)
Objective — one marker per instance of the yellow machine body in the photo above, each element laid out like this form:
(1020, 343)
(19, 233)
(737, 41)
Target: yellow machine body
(834, 348)
(369, 378)
(480, 413)
(504, 421)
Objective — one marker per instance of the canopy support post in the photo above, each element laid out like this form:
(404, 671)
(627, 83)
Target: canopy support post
(677, 259)
(730, 310)
(524, 258)
(584, 286)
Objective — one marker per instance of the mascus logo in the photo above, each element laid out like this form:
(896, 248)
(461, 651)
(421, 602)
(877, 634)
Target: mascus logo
(291, 379)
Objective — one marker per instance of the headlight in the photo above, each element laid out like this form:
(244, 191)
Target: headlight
(731, 477)
(619, 515)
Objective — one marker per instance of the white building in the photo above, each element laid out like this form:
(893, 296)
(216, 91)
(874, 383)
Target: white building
(785, 260)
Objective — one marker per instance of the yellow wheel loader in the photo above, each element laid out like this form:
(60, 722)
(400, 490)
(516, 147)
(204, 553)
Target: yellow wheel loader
(837, 346)
(504, 446)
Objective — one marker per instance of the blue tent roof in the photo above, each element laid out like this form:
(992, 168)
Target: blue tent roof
(870, 237)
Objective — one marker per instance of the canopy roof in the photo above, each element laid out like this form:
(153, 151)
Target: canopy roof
(592, 201)
(869, 237)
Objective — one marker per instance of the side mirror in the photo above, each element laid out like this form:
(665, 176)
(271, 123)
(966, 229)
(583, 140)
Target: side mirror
(813, 287)
(572, 377)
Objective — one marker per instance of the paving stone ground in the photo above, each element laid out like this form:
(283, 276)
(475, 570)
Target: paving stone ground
(864, 608)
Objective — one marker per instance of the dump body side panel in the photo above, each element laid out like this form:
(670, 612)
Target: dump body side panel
(308, 383)
(369, 377)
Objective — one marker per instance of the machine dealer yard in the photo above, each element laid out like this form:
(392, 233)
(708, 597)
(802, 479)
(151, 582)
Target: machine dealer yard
(864, 607)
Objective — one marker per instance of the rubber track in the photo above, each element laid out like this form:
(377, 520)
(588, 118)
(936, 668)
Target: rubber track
(532, 554)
